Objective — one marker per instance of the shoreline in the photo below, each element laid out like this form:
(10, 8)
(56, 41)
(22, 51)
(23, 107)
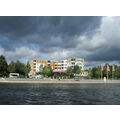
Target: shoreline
(59, 81)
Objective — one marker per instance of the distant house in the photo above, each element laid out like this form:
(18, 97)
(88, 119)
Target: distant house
(82, 74)
(85, 73)
(13, 75)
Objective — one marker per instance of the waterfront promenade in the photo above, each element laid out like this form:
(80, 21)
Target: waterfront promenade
(67, 81)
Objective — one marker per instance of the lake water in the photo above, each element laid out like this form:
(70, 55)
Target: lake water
(59, 94)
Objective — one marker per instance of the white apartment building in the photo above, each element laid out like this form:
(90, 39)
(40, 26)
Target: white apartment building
(61, 66)
(57, 66)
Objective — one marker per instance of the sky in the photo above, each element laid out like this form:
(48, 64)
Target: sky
(94, 38)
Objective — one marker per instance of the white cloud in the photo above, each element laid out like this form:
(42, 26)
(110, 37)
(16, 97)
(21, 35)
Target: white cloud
(1, 51)
(105, 38)
(22, 53)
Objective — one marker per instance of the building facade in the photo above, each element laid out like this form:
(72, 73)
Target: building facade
(57, 66)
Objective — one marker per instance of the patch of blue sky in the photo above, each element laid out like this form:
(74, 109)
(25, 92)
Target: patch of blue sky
(4, 39)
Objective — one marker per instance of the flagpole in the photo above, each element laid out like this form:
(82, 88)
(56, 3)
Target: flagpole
(112, 73)
(107, 72)
(101, 71)
(101, 74)
(113, 69)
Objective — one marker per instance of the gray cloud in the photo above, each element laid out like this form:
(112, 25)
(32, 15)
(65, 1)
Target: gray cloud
(96, 39)
(108, 38)
(43, 30)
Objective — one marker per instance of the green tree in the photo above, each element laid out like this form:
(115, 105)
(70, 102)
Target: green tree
(20, 68)
(78, 71)
(75, 69)
(41, 68)
(27, 69)
(94, 72)
(3, 66)
(98, 72)
(47, 71)
(116, 73)
(11, 67)
(69, 71)
(90, 72)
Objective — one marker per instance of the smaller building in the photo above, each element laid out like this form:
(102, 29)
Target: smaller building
(13, 75)
(84, 74)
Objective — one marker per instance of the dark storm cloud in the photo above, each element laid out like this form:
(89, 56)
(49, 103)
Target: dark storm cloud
(24, 25)
(88, 37)
(106, 54)
(17, 26)
(66, 26)
(39, 30)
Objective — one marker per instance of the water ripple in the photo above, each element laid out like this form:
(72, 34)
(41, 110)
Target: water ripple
(60, 94)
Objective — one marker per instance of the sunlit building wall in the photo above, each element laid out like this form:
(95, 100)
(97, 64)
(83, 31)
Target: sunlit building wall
(57, 66)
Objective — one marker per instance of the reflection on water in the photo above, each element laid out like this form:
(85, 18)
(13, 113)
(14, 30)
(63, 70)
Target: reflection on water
(58, 94)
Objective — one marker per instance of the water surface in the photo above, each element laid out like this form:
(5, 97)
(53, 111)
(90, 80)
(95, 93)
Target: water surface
(59, 94)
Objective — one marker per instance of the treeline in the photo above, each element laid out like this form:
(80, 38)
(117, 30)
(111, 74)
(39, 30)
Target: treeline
(95, 72)
(13, 67)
